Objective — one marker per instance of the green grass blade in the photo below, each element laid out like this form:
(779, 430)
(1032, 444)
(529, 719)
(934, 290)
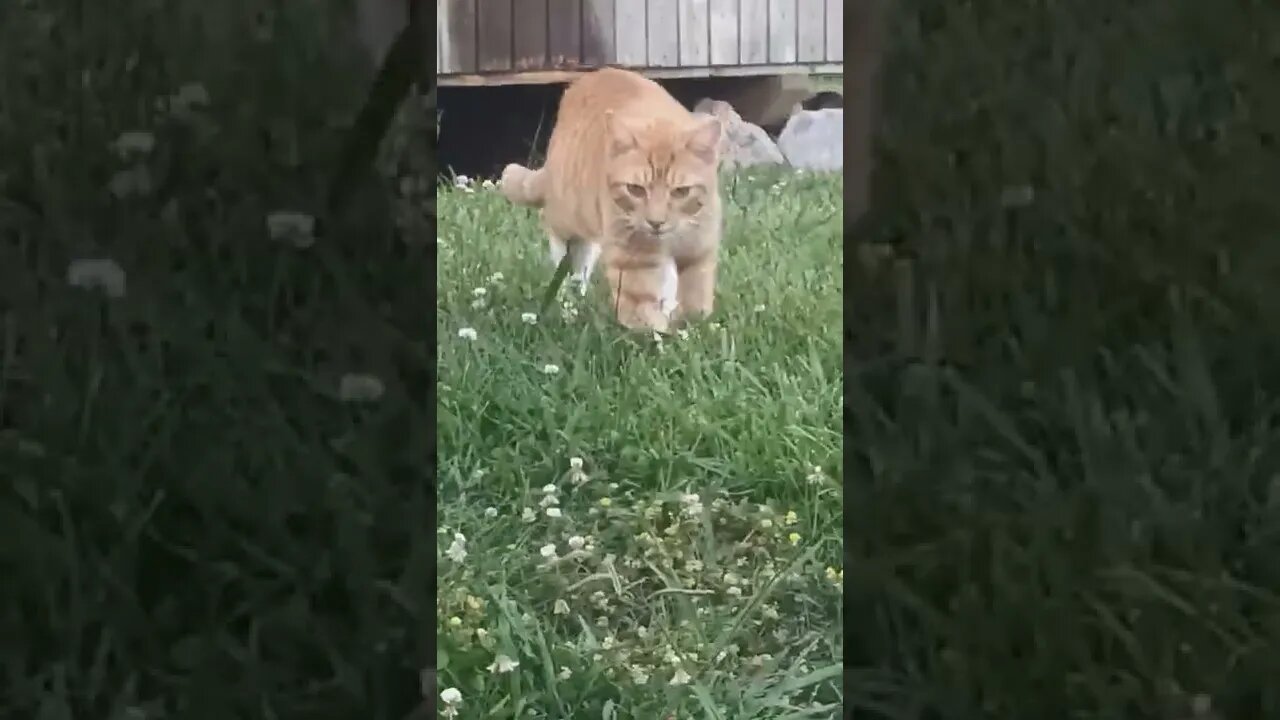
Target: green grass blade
(390, 86)
(562, 271)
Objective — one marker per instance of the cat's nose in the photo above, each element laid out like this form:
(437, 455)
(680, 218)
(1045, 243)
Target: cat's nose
(656, 225)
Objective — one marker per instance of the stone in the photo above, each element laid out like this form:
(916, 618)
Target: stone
(814, 140)
(742, 144)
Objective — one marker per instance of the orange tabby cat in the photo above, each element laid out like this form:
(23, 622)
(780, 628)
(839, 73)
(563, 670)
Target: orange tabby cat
(631, 179)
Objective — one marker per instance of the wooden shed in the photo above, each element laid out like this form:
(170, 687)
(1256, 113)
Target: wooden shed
(495, 42)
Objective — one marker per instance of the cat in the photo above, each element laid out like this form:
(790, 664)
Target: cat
(631, 180)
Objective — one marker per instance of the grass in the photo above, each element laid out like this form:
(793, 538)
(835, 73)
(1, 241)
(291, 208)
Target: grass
(194, 523)
(708, 507)
(1062, 496)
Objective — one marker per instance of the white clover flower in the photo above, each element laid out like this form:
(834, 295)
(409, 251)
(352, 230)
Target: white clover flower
(478, 304)
(192, 93)
(549, 489)
(733, 591)
(457, 551)
(1017, 196)
(548, 551)
(529, 318)
(564, 674)
(467, 333)
(104, 275)
(692, 505)
(503, 664)
(528, 515)
(561, 607)
(480, 291)
(491, 512)
(554, 512)
(577, 542)
(188, 98)
(680, 677)
(487, 184)
(550, 369)
(359, 388)
(548, 500)
(497, 278)
(133, 144)
(759, 308)
(816, 475)
(295, 227)
(575, 463)
(639, 675)
(451, 696)
(131, 182)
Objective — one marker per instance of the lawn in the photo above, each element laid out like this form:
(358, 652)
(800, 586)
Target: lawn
(1063, 420)
(630, 527)
(198, 516)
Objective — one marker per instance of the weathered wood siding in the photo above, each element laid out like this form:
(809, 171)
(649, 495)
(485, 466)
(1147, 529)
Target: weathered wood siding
(506, 36)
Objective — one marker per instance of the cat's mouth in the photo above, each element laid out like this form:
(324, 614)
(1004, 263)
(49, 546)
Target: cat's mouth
(648, 236)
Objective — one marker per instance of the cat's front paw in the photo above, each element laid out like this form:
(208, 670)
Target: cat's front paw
(646, 321)
(513, 173)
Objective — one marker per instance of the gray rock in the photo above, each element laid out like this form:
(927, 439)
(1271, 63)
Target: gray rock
(742, 144)
(814, 140)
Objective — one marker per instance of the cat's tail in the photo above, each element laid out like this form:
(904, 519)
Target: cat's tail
(523, 186)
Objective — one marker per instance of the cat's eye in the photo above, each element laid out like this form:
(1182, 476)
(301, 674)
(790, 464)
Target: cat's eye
(682, 192)
(635, 190)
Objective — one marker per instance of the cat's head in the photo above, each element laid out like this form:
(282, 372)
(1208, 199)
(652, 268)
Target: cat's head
(661, 173)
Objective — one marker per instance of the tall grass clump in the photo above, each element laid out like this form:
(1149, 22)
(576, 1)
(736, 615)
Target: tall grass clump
(213, 431)
(1064, 438)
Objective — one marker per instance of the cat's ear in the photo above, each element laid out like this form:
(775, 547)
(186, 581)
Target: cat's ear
(703, 139)
(622, 137)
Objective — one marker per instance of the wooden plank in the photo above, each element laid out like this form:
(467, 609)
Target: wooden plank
(695, 33)
(442, 41)
(811, 31)
(530, 34)
(493, 22)
(599, 45)
(835, 31)
(459, 27)
(782, 31)
(564, 32)
(754, 25)
(443, 49)
(545, 77)
(724, 32)
(664, 33)
(630, 33)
